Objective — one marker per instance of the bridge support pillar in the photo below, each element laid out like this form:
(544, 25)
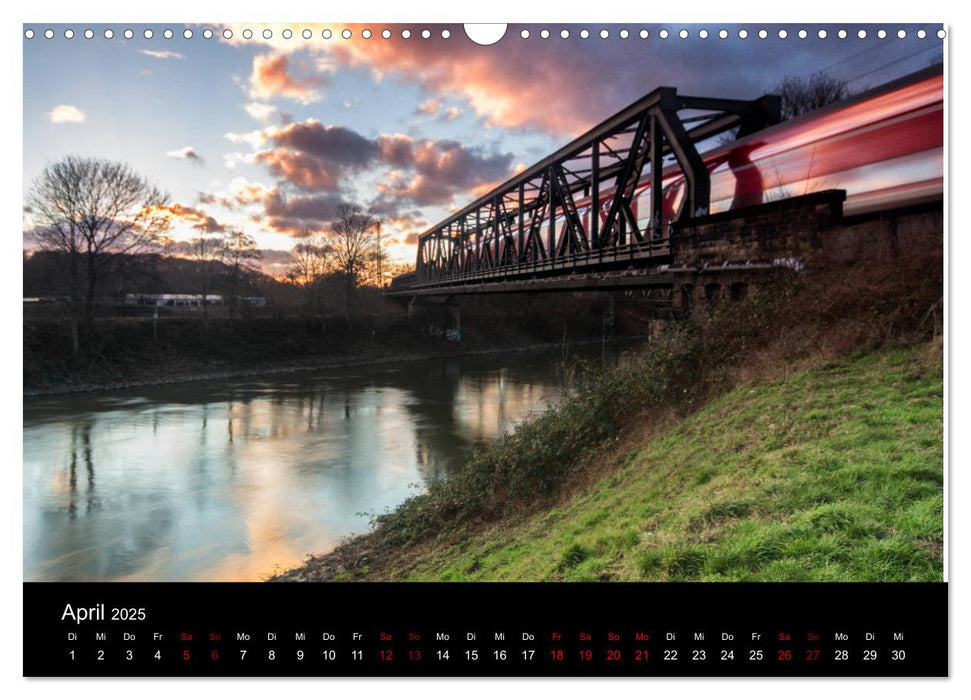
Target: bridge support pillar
(453, 331)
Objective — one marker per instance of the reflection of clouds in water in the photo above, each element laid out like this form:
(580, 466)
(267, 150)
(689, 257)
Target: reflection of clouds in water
(233, 481)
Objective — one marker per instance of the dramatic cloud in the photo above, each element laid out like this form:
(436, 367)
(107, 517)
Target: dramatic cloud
(164, 55)
(312, 156)
(262, 113)
(186, 153)
(66, 113)
(196, 218)
(273, 77)
(299, 215)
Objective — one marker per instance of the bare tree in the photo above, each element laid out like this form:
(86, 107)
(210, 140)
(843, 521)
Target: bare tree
(207, 251)
(99, 214)
(240, 257)
(354, 240)
(311, 261)
(804, 94)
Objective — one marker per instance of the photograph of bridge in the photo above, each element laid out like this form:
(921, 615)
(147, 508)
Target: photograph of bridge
(381, 303)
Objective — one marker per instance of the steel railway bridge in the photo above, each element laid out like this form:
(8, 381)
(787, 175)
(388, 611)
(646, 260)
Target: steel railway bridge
(593, 215)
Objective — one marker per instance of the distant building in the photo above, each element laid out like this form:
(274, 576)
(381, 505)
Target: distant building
(185, 300)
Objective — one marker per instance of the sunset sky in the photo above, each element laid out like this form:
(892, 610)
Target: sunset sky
(270, 134)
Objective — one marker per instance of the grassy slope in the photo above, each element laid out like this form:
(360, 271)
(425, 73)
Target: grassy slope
(834, 473)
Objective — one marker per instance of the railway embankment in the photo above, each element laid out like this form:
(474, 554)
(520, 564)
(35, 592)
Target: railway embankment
(796, 434)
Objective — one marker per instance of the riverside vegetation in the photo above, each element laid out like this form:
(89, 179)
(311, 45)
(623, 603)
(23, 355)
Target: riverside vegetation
(795, 435)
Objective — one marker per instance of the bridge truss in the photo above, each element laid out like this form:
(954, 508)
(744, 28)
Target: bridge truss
(597, 202)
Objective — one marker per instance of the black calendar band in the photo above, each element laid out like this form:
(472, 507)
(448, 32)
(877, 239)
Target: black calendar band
(443, 629)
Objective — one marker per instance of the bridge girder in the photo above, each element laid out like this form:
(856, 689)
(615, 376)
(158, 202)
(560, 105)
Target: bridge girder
(578, 208)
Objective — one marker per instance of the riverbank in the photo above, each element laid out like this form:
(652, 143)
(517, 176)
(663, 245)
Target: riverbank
(324, 364)
(797, 435)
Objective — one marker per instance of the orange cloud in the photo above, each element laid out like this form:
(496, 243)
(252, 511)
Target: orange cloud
(272, 78)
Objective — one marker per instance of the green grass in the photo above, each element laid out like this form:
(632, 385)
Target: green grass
(831, 474)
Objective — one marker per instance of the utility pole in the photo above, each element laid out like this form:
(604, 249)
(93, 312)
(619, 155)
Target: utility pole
(380, 271)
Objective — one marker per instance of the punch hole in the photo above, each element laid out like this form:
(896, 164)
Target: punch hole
(683, 34)
(643, 34)
(703, 33)
(524, 34)
(584, 34)
(722, 33)
(109, 34)
(347, 34)
(604, 34)
(207, 33)
(129, 34)
(267, 34)
(763, 34)
(227, 33)
(544, 34)
(287, 33)
(306, 33)
(187, 34)
(148, 34)
(167, 34)
(68, 33)
(366, 33)
(624, 33)
(488, 34)
(405, 33)
(821, 33)
(327, 34)
(386, 34)
(941, 34)
(742, 34)
(49, 34)
(446, 34)
(425, 34)
(247, 33)
(663, 33)
(29, 34)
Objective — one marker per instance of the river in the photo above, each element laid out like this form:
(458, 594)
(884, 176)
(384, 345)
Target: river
(233, 480)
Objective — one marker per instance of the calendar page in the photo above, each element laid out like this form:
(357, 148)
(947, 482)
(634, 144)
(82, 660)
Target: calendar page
(484, 350)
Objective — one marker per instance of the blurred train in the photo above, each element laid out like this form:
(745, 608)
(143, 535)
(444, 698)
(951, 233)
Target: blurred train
(885, 147)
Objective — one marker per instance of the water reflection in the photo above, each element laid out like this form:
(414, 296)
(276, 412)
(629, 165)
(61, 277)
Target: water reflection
(232, 480)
